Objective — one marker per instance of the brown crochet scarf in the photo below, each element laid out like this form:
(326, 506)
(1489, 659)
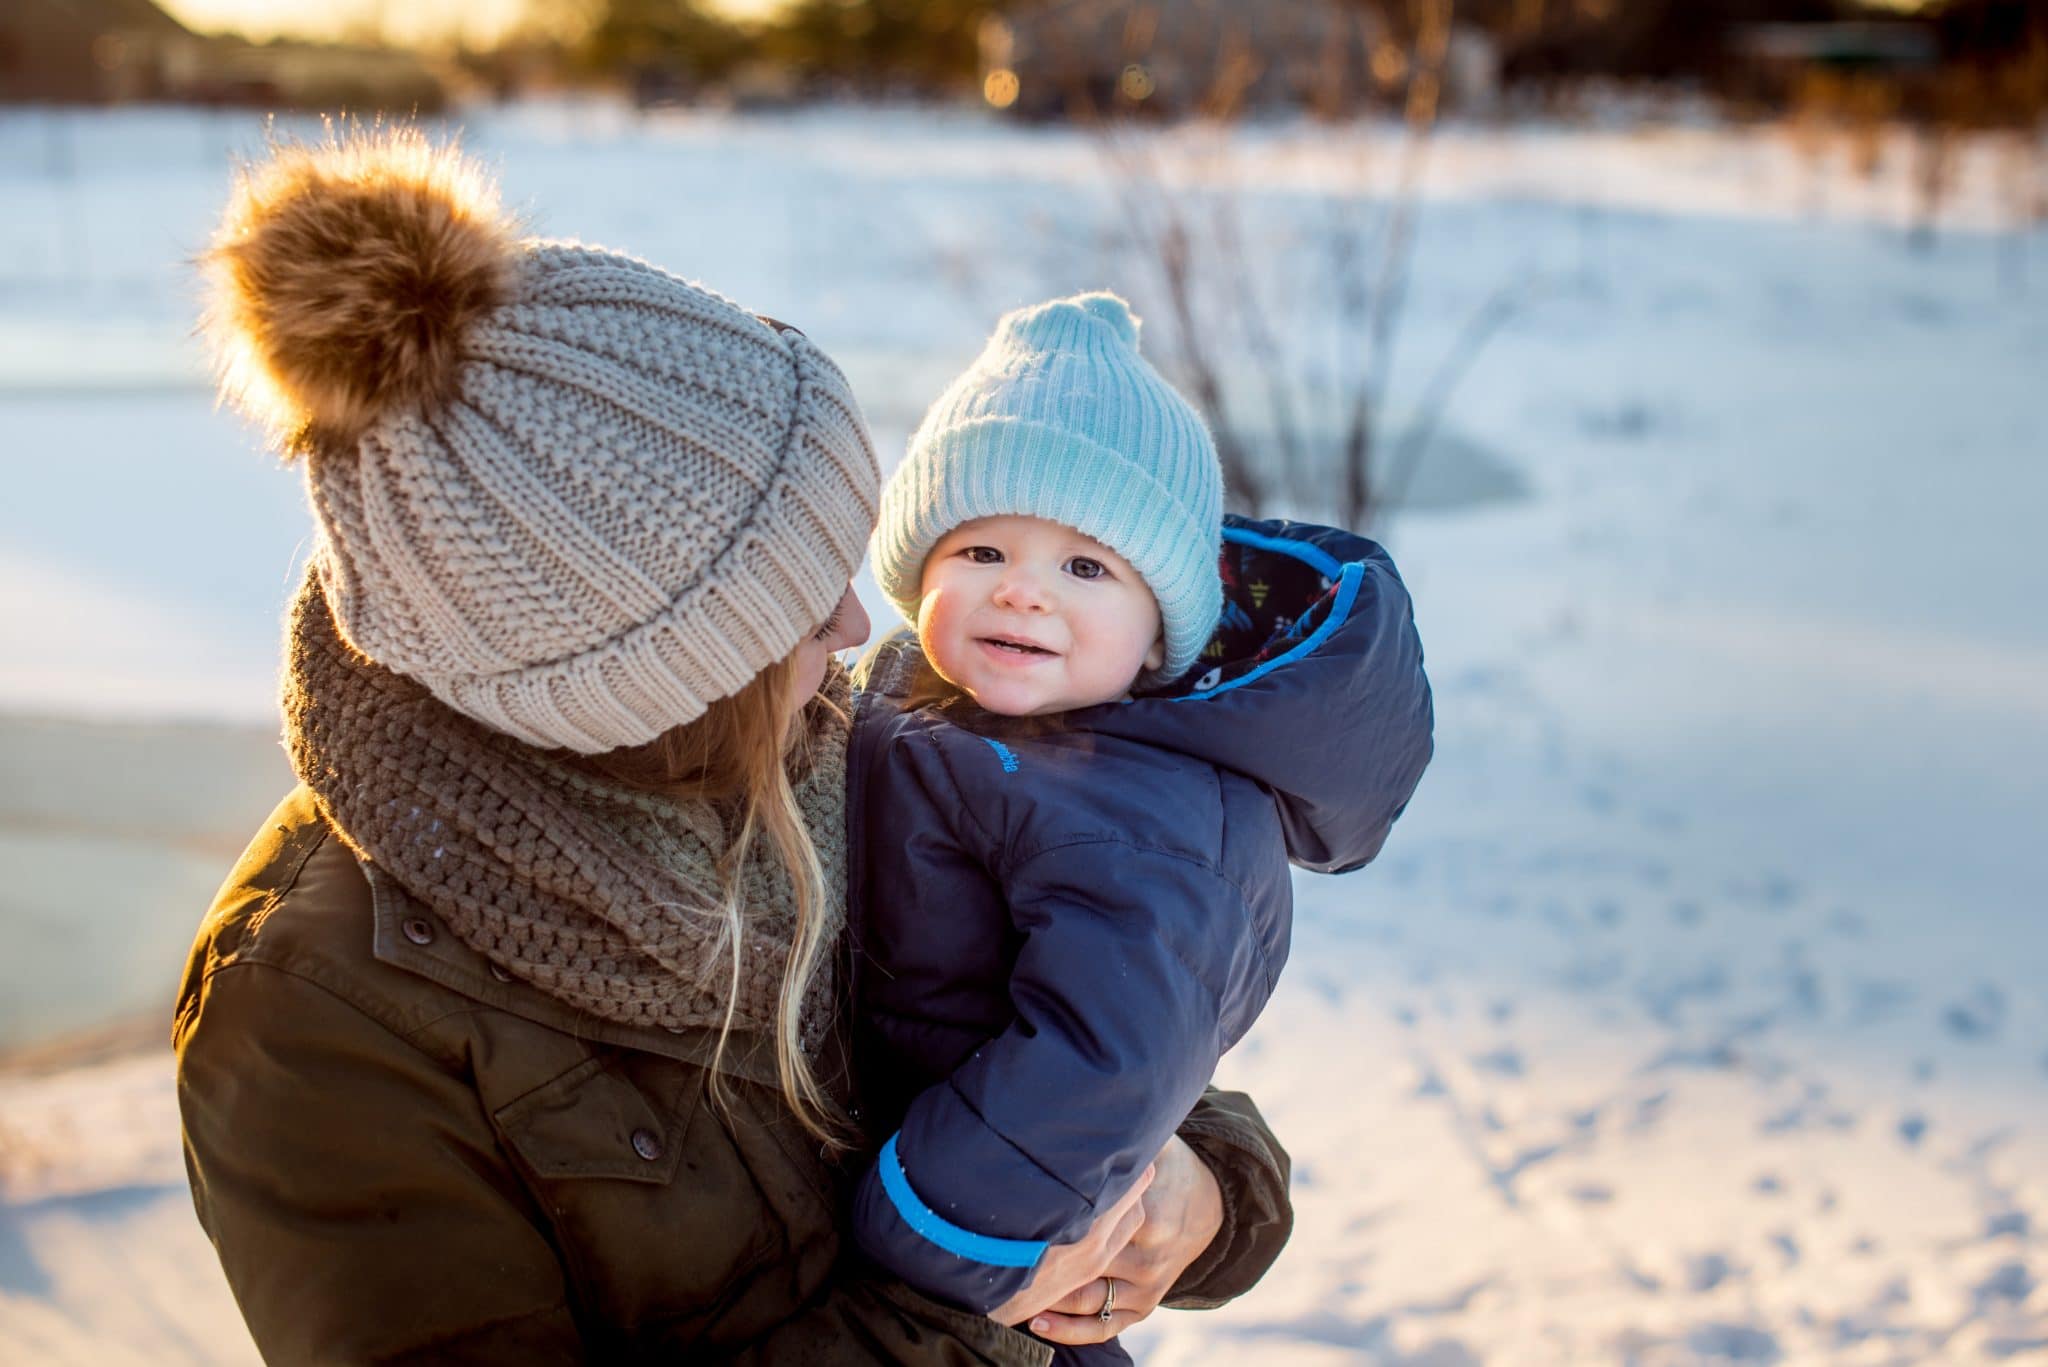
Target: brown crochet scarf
(604, 896)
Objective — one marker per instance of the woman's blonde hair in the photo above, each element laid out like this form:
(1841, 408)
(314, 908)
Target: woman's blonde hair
(739, 755)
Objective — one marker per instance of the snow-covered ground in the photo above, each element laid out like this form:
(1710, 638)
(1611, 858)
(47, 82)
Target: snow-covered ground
(1693, 1014)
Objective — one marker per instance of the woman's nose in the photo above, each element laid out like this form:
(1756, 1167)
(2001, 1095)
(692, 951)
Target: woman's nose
(855, 624)
(850, 621)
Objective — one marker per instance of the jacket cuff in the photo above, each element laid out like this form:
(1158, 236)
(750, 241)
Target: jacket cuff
(895, 1228)
(935, 1228)
(1251, 1170)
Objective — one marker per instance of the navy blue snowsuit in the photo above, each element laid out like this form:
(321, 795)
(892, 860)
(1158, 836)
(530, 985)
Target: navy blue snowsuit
(1059, 928)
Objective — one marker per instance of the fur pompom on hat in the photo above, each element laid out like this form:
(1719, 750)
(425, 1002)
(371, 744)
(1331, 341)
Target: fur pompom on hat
(345, 277)
(576, 497)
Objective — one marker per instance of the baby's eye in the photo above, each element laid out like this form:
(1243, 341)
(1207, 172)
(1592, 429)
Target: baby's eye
(983, 555)
(1081, 567)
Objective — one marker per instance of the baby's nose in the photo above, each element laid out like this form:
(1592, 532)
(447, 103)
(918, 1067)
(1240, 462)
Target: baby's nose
(1022, 589)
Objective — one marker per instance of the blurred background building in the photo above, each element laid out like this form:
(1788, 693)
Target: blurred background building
(1969, 62)
(126, 51)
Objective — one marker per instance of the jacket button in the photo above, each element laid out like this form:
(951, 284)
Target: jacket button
(498, 972)
(647, 1144)
(418, 930)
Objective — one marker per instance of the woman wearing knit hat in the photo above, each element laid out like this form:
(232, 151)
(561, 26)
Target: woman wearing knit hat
(1070, 880)
(519, 1033)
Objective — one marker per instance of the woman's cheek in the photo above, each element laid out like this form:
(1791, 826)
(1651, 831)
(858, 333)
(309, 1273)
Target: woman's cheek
(810, 674)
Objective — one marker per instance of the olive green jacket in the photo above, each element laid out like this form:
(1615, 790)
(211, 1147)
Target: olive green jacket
(402, 1155)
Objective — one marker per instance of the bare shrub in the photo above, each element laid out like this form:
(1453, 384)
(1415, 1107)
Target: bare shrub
(1289, 351)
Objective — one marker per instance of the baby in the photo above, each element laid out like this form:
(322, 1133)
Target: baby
(1075, 792)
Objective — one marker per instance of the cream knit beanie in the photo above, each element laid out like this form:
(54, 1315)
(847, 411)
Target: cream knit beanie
(576, 497)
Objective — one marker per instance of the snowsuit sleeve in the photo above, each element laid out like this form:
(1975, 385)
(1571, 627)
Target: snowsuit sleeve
(1136, 968)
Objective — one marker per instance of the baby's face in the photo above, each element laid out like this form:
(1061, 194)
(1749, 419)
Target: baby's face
(1029, 617)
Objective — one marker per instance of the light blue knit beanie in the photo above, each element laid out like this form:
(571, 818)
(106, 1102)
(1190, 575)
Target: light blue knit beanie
(1061, 418)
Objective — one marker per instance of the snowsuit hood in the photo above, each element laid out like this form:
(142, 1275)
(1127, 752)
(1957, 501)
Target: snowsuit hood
(1313, 685)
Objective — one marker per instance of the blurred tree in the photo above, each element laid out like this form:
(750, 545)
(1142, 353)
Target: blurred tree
(1290, 354)
(652, 43)
(881, 46)
(1658, 40)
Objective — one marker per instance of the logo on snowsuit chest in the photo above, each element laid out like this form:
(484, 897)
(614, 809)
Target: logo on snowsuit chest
(1005, 754)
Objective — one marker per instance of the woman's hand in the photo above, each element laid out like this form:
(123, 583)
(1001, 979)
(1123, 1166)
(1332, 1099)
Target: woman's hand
(1066, 1267)
(1183, 1210)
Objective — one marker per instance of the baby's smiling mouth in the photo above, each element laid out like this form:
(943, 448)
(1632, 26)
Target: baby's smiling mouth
(1014, 645)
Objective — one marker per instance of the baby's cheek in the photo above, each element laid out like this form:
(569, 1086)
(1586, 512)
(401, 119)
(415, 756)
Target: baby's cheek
(938, 642)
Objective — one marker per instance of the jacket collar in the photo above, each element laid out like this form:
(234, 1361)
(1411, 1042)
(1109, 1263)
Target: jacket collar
(405, 935)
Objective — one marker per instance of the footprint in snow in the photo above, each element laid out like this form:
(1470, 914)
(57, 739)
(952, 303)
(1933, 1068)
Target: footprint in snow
(1733, 1343)
(2010, 1282)
(1705, 1271)
(1663, 819)
(1715, 1056)
(1503, 1062)
(1850, 925)
(1772, 892)
(2012, 1222)
(1663, 996)
(1979, 1016)
(1329, 989)
(1590, 973)
(1872, 1001)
